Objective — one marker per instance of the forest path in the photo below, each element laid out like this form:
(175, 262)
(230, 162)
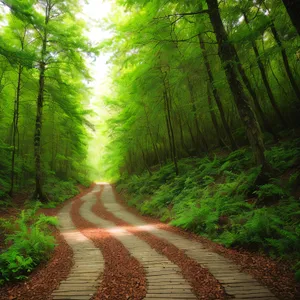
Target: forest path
(84, 278)
(165, 277)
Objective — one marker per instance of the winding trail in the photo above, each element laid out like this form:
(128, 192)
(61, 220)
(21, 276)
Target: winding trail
(237, 284)
(165, 278)
(84, 278)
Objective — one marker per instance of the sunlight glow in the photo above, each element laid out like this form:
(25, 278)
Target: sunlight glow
(115, 231)
(94, 13)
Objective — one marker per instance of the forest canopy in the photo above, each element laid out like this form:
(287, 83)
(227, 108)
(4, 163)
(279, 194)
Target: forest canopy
(192, 76)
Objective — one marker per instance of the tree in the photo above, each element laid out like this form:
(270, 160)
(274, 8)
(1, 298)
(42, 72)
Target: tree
(228, 56)
(293, 8)
(52, 44)
(239, 67)
(42, 57)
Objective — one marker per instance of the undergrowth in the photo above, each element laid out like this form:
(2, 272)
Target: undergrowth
(59, 191)
(217, 197)
(28, 242)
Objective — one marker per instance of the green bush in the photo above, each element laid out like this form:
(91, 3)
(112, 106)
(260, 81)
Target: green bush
(29, 242)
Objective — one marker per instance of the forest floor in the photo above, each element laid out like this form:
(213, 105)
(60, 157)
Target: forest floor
(108, 251)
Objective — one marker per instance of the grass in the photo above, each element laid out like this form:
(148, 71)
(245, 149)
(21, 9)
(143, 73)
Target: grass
(217, 198)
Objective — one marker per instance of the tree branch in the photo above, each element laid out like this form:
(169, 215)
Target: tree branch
(181, 15)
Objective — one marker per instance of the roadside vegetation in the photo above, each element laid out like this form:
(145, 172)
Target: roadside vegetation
(28, 241)
(218, 197)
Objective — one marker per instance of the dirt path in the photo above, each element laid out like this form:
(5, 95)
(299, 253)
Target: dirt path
(170, 262)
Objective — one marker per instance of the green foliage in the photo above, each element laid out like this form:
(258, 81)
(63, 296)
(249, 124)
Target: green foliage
(64, 133)
(270, 190)
(297, 271)
(150, 63)
(285, 155)
(59, 190)
(211, 197)
(29, 242)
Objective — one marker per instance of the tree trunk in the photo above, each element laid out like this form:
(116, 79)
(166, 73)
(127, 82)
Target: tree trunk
(266, 125)
(170, 129)
(15, 129)
(293, 9)
(182, 142)
(200, 136)
(265, 78)
(145, 161)
(37, 136)
(228, 56)
(192, 137)
(285, 61)
(214, 118)
(151, 135)
(39, 194)
(216, 94)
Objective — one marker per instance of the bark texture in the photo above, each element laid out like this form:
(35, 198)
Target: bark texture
(229, 58)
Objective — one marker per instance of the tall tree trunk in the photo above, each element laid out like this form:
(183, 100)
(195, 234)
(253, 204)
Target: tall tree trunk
(16, 135)
(228, 56)
(265, 78)
(267, 126)
(216, 94)
(53, 140)
(192, 137)
(200, 136)
(151, 135)
(182, 141)
(15, 129)
(213, 117)
(39, 194)
(144, 159)
(37, 136)
(285, 60)
(293, 9)
(170, 128)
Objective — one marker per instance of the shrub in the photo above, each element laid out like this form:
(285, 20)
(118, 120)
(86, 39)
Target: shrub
(29, 242)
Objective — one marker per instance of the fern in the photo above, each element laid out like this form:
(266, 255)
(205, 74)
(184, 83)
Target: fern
(30, 243)
(270, 189)
(211, 198)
